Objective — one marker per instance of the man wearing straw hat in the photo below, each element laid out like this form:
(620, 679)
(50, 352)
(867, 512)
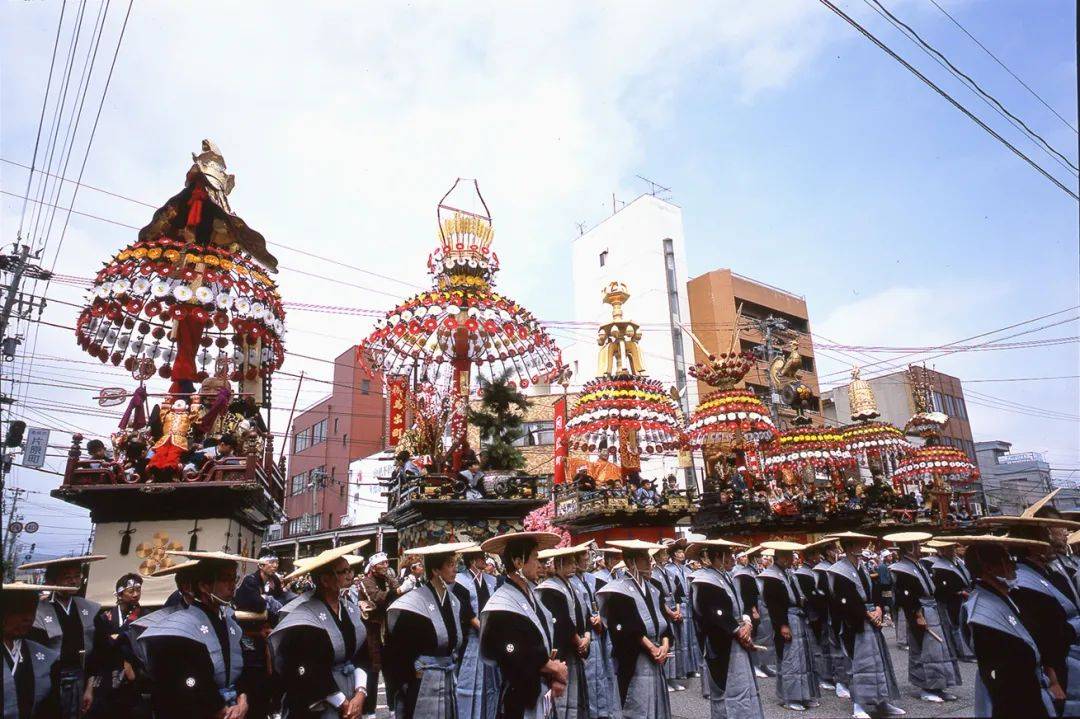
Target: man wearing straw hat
(932, 666)
(817, 612)
(750, 593)
(838, 661)
(599, 666)
(873, 681)
(194, 655)
(1052, 617)
(687, 647)
(633, 610)
(572, 634)
(724, 625)
(477, 681)
(952, 582)
(425, 634)
(1010, 681)
(796, 680)
(672, 597)
(30, 668)
(65, 623)
(516, 631)
(319, 647)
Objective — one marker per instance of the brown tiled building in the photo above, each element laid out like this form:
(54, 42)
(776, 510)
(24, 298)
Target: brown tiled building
(537, 445)
(348, 424)
(715, 299)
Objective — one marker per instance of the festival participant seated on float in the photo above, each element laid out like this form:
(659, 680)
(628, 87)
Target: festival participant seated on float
(477, 681)
(726, 631)
(425, 637)
(750, 594)
(516, 631)
(646, 495)
(135, 459)
(318, 647)
(832, 647)
(474, 480)
(873, 681)
(193, 654)
(572, 637)
(99, 455)
(65, 623)
(796, 680)
(30, 668)
(582, 481)
(599, 666)
(632, 609)
(1010, 681)
(952, 586)
(1052, 618)
(687, 648)
(110, 681)
(932, 667)
(671, 598)
(817, 612)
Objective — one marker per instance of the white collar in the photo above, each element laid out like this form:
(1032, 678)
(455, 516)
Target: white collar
(57, 601)
(15, 653)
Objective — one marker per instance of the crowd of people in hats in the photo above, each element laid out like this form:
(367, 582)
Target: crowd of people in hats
(519, 627)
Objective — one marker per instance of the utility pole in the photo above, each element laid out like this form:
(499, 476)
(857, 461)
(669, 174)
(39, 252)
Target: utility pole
(19, 266)
(9, 551)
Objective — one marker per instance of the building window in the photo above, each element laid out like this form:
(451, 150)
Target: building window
(344, 440)
(365, 386)
(302, 440)
(536, 434)
(961, 408)
(316, 522)
(808, 364)
(297, 483)
(603, 258)
(335, 426)
(318, 433)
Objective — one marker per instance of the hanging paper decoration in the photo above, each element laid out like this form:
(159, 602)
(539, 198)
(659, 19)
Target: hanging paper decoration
(733, 418)
(875, 439)
(808, 448)
(608, 408)
(933, 462)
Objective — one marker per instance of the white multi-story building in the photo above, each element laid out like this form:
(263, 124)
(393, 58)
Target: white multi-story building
(641, 246)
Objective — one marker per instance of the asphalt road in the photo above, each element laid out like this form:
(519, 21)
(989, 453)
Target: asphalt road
(690, 705)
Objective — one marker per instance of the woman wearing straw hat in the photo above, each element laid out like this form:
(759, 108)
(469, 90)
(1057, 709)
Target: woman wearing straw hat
(477, 681)
(932, 666)
(319, 646)
(572, 636)
(873, 681)
(796, 680)
(195, 659)
(516, 631)
(425, 635)
(633, 610)
(1010, 681)
(30, 668)
(599, 666)
(65, 623)
(724, 625)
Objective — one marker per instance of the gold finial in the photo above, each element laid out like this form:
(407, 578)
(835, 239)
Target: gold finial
(861, 398)
(618, 339)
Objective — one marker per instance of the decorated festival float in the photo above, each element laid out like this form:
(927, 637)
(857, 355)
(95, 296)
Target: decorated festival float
(433, 349)
(807, 478)
(622, 422)
(190, 303)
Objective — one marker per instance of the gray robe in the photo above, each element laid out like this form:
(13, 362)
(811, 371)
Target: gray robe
(140, 625)
(953, 635)
(72, 681)
(41, 660)
(740, 698)
(837, 667)
(599, 667)
(932, 665)
(989, 610)
(647, 696)
(477, 682)
(192, 623)
(796, 680)
(674, 668)
(506, 599)
(763, 637)
(873, 680)
(687, 650)
(437, 695)
(309, 611)
(1028, 578)
(814, 615)
(574, 703)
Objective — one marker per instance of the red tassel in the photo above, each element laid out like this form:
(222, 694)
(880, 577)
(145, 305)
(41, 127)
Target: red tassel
(195, 206)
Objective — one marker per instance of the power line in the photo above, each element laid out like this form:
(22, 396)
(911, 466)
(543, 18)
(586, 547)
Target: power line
(1002, 64)
(986, 97)
(873, 38)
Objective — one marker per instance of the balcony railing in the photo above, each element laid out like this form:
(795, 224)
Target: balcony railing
(446, 487)
(573, 503)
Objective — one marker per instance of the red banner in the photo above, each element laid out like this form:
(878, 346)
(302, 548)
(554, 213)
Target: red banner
(396, 388)
(561, 448)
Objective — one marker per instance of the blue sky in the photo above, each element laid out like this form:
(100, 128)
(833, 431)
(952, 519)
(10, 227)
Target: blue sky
(800, 154)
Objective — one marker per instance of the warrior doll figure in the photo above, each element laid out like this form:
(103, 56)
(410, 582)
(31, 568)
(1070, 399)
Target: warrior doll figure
(177, 421)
